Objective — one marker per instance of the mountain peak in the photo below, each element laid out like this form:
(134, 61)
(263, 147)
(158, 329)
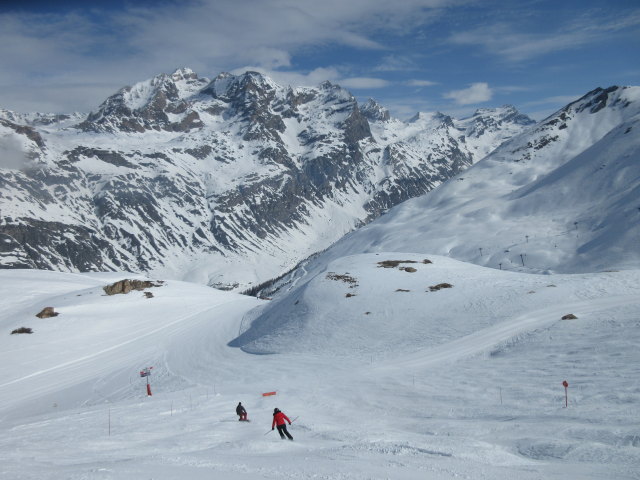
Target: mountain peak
(599, 98)
(496, 121)
(327, 85)
(227, 85)
(506, 113)
(613, 99)
(145, 105)
(373, 111)
(438, 117)
(497, 110)
(183, 73)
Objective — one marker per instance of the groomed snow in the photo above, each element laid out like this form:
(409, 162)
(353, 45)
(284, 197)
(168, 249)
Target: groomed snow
(393, 381)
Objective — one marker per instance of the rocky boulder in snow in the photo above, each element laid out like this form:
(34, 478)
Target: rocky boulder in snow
(21, 330)
(126, 285)
(47, 312)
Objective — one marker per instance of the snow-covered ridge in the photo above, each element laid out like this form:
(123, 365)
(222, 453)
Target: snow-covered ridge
(227, 85)
(180, 85)
(201, 179)
(487, 128)
(561, 197)
(577, 126)
(233, 181)
(41, 119)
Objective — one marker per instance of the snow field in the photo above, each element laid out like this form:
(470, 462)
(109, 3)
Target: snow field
(462, 382)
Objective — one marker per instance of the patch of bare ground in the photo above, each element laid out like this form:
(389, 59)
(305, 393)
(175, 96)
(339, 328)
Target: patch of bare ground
(344, 277)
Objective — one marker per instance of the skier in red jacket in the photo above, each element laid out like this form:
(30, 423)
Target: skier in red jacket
(279, 420)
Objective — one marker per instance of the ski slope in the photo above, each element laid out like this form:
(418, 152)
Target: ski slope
(487, 338)
(393, 381)
(95, 335)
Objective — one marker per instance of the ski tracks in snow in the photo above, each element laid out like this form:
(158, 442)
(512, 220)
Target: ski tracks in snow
(490, 337)
(125, 351)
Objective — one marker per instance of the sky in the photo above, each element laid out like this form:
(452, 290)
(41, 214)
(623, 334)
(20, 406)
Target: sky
(453, 56)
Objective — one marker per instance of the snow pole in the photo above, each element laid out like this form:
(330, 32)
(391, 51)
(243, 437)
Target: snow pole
(565, 384)
(145, 373)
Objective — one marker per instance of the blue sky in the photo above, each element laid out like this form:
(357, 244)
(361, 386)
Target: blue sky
(410, 55)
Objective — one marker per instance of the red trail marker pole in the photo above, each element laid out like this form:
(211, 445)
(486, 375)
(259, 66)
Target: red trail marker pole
(146, 372)
(565, 384)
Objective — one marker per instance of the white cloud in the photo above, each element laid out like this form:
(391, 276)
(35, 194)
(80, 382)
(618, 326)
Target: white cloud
(11, 154)
(42, 54)
(515, 44)
(273, 57)
(476, 93)
(397, 63)
(295, 79)
(421, 83)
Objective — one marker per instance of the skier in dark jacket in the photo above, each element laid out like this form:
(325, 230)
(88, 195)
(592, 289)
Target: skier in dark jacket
(242, 413)
(279, 420)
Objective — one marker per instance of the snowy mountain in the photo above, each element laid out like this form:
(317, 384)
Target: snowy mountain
(226, 182)
(562, 197)
(489, 127)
